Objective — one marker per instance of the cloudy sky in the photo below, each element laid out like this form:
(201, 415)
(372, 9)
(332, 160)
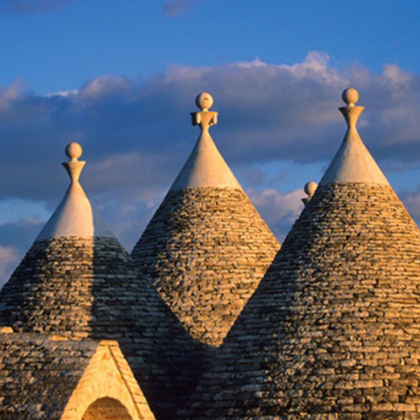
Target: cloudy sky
(120, 77)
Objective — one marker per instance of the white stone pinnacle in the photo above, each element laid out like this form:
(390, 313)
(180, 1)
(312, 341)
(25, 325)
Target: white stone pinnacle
(205, 167)
(353, 162)
(75, 217)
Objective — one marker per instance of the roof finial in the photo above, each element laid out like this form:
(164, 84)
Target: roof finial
(74, 151)
(351, 112)
(309, 188)
(205, 118)
(204, 101)
(74, 166)
(350, 96)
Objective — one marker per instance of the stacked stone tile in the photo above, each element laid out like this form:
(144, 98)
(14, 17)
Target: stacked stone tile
(47, 377)
(77, 281)
(333, 330)
(32, 384)
(206, 248)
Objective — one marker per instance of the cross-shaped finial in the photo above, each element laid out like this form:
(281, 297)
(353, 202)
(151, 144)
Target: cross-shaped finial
(205, 118)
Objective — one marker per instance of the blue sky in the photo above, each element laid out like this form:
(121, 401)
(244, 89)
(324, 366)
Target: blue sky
(59, 48)
(120, 77)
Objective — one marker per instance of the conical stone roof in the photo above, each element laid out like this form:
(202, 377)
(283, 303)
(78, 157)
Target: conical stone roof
(77, 281)
(206, 248)
(333, 330)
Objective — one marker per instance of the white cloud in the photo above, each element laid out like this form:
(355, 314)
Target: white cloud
(9, 257)
(396, 75)
(136, 137)
(62, 93)
(278, 209)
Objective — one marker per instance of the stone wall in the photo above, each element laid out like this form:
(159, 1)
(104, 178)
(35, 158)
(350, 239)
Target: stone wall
(39, 374)
(47, 376)
(107, 390)
(333, 331)
(205, 250)
(91, 288)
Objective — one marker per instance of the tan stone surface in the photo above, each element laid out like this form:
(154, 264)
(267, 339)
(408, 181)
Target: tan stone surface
(333, 331)
(107, 379)
(42, 377)
(205, 250)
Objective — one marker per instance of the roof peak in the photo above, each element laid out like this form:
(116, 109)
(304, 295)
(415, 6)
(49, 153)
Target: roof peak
(353, 162)
(75, 216)
(205, 167)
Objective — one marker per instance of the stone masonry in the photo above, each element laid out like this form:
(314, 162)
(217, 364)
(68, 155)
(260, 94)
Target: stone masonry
(46, 376)
(333, 330)
(107, 390)
(32, 384)
(205, 250)
(82, 288)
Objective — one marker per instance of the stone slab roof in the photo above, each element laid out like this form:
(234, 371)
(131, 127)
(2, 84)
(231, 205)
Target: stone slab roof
(333, 330)
(38, 374)
(77, 281)
(334, 325)
(50, 377)
(90, 288)
(206, 248)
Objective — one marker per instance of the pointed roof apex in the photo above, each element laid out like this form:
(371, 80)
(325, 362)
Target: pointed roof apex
(75, 216)
(205, 167)
(353, 162)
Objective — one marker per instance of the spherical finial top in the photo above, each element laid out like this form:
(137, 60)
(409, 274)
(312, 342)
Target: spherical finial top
(310, 188)
(204, 101)
(350, 96)
(74, 151)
